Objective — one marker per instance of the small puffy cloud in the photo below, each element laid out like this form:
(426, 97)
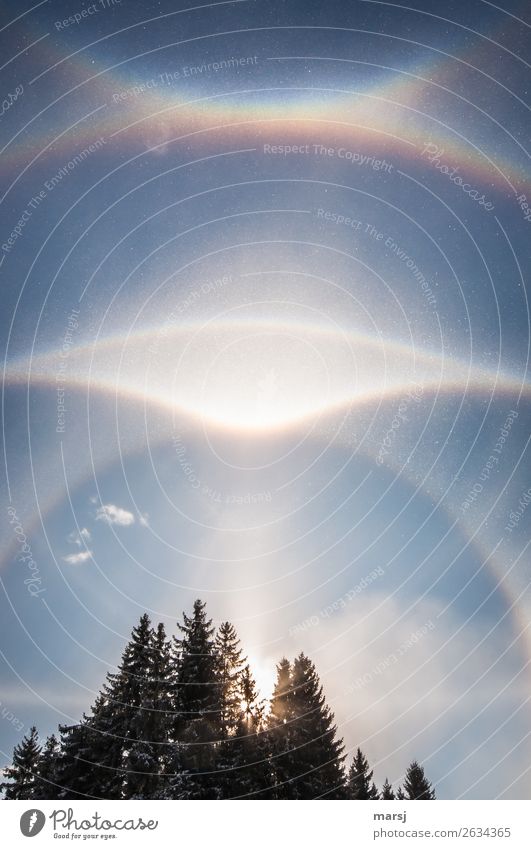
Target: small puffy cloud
(143, 519)
(76, 559)
(79, 538)
(114, 515)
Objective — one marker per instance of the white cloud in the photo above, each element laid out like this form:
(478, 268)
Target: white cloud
(114, 515)
(143, 519)
(80, 557)
(79, 538)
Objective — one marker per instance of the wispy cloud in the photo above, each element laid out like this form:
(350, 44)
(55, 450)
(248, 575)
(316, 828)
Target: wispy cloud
(143, 519)
(80, 538)
(80, 557)
(114, 515)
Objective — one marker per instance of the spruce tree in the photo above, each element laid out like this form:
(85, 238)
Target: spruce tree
(359, 782)
(387, 791)
(243, 762)
(197, 724)
(197, 686)
(24, 768)
(416, 785)
(251, 705)
(280, 711)
(230, 664)
(280, 729)
(129, 693)
(46, 780)
(161, 708)
(307, 758)
(89, 764)
(109, 754)
(146, 758)
(318, 752)
(72, 772)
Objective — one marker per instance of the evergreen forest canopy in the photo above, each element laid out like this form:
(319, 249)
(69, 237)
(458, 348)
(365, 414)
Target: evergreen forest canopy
(182, 718)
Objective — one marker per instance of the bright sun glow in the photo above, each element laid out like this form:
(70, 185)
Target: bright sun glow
(263, 381)
(255, 376)
(262, 376)
(264, 673)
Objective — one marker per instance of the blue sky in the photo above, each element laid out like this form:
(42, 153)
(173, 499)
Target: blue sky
(266, 334)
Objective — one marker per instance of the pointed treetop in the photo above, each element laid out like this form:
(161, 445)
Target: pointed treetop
(24, 768)
(387, 791)
(360, 783)
(416, 785)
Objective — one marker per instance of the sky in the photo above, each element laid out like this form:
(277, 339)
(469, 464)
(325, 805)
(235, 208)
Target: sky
(265, 333)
